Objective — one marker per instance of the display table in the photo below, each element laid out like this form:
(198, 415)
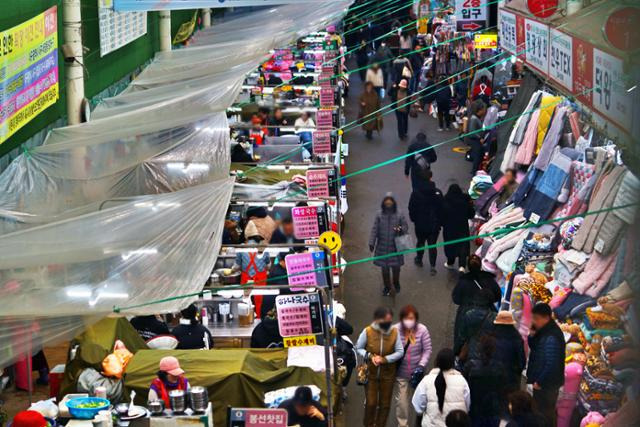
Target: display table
(170, 420)
(231, 335)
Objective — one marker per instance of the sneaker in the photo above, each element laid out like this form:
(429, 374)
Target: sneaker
(433, 271)
(386, 292)
(449, 266)
(462, 270)
(440, 129)
(397, 288)
(418, 262)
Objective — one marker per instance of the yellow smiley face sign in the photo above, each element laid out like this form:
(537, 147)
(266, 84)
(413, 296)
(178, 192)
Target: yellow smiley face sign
(331, 240)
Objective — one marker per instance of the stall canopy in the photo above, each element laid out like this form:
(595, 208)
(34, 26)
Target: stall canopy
(233, 377)
(59, 277)
(129, 207)
(174, 111)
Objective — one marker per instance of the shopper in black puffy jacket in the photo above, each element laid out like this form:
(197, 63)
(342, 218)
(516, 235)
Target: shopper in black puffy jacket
(546, 361)
(420, 155)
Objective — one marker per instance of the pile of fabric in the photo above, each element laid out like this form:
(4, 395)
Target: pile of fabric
(582, 266)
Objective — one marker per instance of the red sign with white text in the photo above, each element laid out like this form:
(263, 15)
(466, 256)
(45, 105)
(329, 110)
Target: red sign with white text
(583, 71)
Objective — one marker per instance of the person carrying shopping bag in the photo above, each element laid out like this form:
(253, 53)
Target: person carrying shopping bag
(380, 346)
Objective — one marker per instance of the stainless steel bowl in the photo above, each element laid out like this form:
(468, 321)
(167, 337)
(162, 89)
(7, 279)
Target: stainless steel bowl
(178, 401)
(156, 407)
(199, 398)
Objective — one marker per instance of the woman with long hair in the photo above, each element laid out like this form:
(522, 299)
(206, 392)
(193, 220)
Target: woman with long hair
(443, 390)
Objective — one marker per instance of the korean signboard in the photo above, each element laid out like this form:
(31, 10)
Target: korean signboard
(305, 222)
(610, 96)
(326, 96)
(28, 71)
(321, 142)
(301, 341)
(561, 59)
(508, 40)
(485, 41)
(306, 269)
(537, 44)
(299, 314)
(257, 417)
(471, 15)
(118, 28)
(582, 58)
(317, 183)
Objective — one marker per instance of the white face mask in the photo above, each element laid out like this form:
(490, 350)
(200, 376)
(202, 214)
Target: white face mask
(408, 324)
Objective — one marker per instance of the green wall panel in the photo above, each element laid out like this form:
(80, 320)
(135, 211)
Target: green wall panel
(101, 72)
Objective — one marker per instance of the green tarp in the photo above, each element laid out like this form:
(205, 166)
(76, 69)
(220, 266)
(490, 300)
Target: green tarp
(95, 343)
(233, 377)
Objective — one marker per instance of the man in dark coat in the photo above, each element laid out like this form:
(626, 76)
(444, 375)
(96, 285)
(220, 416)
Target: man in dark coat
(416, 163)
(303, 411)
(458, 210)
(443, 101)
(425, 210)
(546, 361)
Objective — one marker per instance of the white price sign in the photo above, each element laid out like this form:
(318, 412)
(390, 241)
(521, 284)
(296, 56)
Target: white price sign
(610, 97)
(561, 59)
(537, 44)
(508, 40)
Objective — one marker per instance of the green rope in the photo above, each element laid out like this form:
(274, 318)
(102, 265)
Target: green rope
(373, 11)
(498, 232)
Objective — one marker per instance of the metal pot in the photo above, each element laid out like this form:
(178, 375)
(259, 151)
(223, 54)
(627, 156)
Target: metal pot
(178, 402)
(156, 407)
(230, 279)
(199, 399)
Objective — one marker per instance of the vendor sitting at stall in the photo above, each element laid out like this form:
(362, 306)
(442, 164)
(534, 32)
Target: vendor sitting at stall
(253, 265)
(284, 233)
(276, 121)
(303, 411)
(170, 377)
(303, 125)
(191, 335)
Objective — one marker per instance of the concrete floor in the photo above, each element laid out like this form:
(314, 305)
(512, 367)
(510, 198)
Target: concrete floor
(363, 283)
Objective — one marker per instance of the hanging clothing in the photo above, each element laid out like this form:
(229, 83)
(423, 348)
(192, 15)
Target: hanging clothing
(551, 139)
(524, 155)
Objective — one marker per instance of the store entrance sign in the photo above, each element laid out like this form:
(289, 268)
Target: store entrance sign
(537, 45)
(257, 417)
(622, 28)
(299, 314)
(561, 59)
(471, 15)
(142, 5)
(610, 96)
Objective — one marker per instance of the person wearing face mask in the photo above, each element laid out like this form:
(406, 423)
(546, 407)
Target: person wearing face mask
(416, 343)
(389, 224)
(381, 347)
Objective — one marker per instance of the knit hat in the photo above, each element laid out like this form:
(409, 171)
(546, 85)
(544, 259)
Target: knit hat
(29, 419)
(403, 84)
(504, 317)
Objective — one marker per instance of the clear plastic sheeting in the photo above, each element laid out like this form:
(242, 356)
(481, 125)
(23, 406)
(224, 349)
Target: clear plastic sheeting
(281, 190)
(148, 249)
(63, 180)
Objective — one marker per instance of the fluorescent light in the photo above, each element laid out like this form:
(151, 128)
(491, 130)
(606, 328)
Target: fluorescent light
(149, 251)
(632, 88)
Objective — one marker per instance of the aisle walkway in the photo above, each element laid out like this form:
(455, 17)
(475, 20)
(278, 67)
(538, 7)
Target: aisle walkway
(363, 292)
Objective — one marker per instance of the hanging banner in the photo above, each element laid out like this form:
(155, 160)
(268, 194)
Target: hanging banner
(583, 71)
(471, 15)
(118, 28)
(508, 40)
(561, 60)
(144, 5)
(610, 96)
(537, 45)
(186, 30)
(28, 71)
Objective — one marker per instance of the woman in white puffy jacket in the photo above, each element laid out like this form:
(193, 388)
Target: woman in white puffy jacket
(441, 391)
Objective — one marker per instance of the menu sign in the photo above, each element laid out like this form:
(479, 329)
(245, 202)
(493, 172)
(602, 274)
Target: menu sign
(299, 314)
(324, 119)
(561, 60)
(321, 142)
(305, 222)
(326, 96)
(306, 269)
(537, 44)
(317, 183)
(610, 96)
